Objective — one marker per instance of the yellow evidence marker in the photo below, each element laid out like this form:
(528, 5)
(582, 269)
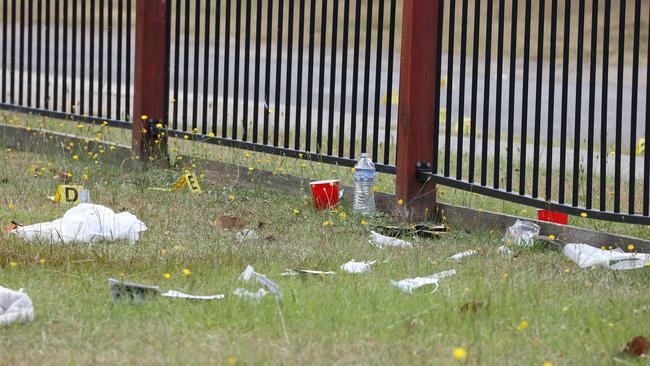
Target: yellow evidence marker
(66, 194)
(188, 179)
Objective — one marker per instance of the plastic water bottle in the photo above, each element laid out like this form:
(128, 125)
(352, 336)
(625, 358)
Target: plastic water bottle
(364, 181)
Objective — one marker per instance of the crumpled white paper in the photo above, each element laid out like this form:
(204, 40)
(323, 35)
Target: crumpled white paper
(459, 256)
(246, 234)
(181, 295)
(505, 250)
(587, 256)
(85, 223)
(357, 267)
(250, 274)
(410, 284)
(240, 292)
(381, 241)
(15, 306)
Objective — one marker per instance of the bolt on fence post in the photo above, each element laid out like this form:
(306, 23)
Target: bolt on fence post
(151, 75)
(418, 97)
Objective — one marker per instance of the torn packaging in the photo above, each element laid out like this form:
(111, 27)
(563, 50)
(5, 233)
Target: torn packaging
(410, 284)
(587, 256)
(15, 306)
(250, 274)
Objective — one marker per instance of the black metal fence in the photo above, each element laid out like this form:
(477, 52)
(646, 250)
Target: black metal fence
(293, 77)
(546, 104)
(68, 58)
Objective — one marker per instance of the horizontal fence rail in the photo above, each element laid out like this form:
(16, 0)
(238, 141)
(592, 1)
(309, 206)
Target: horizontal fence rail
(301, 78)
(544, 103)
(68, 58)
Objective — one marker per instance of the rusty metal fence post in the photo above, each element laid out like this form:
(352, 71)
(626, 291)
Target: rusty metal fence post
(418, 101)
(151, 76)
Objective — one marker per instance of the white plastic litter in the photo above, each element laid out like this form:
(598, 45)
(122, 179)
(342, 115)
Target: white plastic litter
(459, 256)
(587, 256)
(521, 233)
(240, 292)
(357, 267)
(410, 284)
(505, 250)
(246, 234)
(250, 274)
(381, 241)
(181, 295)
(15, 306)
(85, 223)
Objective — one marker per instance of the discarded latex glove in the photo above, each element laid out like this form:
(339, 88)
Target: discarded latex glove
(240, 292)
(381, 241)
(246, 234)
(15, 306)
(521, 233)
(181, 295)
(410, 284)
(468, 253)
(357, 267)
(250, 274)
(85, 223)
(587, 256)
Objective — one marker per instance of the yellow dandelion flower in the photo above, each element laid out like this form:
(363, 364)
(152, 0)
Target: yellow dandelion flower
(353, 170)
(10, 205)
(296, 211)
(144, 117)
(159, 125)
(211, 134)
(567, 270)
(584, 214)
(187, 272)
(232, 360)
(250, 168)
(552, 237)
(523, 325)
(231, 197)
(375, 188)
(611, 325)
(630, 247)
(364, 222)
(459, 353)
(343, 215)
(186, 137)
(603, 248)
(75, 157)
(547, 363)
(84, 177)
(80, 126)
(166, 276)
(13, 264)
(400, 202)
(328, 223)
(42, 261)
(565, 309)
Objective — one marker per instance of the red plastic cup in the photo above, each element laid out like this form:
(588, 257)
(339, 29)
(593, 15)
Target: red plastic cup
(552, 216)
(326, 193)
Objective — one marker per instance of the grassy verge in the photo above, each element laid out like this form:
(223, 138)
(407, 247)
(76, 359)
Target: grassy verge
(538, 306)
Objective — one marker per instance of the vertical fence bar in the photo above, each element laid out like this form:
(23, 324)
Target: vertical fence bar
(256, 98)
(287, 99)
(13, 52)
(64, 59)
(418, 99)
(186, 60)
(499, 96)
(236, 86)
(278, 74)
(635, 98)
(551, 102)
(195, 81)
(56, 58)
(39, 47)
(21, 64)
(366, 79)
(310, 73)
(109, 59)
(73, 76)
(5, 41)
(619, 108)
(450, 83)
(475, 52)
(389, 86)
(177, 38)
(538, 96)
(267, 74)
(578, 108)
(206, 65)
(120, 54)
(127, 95)
(100, 59)
(461, 92)
(646, 153)
(524, 106)
(247, 55)
(603, 112)
(332, 78)
(378, 70)
(151, 61)
(592, 102)
(299, 91)
(355, 79)
(486, 93)
(30, 43)
(321, 77)
(565, 97)
(91, 60)
(511, 95)
(344, 74)
(215, 81)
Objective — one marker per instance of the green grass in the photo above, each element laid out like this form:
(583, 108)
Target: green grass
(574, 316)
